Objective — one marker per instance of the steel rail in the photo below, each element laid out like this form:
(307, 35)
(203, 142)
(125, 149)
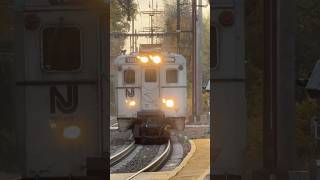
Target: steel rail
(157, 163)
(122, 154)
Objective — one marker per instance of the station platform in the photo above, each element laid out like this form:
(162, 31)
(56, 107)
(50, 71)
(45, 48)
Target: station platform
(195, 166)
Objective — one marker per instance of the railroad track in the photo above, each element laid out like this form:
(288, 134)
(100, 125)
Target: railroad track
(157, 163)
(122, 154)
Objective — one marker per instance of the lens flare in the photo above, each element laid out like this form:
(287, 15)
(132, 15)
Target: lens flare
(156, 59)
(132, 103)
(143, 59)
(164, 100)
(169, 103)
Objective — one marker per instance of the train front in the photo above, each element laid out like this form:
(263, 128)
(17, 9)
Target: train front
(151, 93)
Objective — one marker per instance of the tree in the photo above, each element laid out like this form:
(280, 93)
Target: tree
(119, 13)
(308, 43)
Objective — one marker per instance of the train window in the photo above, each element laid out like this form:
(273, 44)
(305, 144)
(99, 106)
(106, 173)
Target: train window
(172, 76)
(61, 48)
(129, 76)
(150, 75)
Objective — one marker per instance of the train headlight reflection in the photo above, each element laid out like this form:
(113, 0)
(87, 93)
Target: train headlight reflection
(143, 59)
(71, 132)
(156, 59)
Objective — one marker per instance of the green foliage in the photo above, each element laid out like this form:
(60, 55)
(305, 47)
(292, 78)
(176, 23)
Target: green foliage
(308, 43)
(307, 53)
(8, 150)
(118, 16)
(306, 144)
(118, 23)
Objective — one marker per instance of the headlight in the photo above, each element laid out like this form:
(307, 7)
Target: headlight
(143, 59)
(156, 59)
(131, 102)
(168, 102)
(71, 132)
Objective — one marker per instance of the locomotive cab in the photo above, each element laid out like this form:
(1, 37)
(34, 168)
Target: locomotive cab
(151, 92)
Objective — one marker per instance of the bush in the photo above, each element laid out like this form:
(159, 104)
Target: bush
(8, 150)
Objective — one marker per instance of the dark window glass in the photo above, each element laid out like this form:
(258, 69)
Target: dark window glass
(150, 75)
(172, 76)
(61, 49)
(129, 76)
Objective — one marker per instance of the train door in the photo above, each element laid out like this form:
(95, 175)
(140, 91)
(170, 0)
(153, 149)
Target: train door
(150, 88)
(60, 84)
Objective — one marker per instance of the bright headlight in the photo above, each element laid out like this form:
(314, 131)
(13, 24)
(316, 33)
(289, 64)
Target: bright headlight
(143, 59)
(132, 103)
(156, 59)
(168, 102)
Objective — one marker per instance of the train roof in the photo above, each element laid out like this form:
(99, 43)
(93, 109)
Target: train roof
(172, 58)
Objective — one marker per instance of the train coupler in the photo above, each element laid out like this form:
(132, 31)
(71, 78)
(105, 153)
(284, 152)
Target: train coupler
(151, 127)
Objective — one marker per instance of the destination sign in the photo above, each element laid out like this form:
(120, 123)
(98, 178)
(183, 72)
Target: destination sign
(131, 60)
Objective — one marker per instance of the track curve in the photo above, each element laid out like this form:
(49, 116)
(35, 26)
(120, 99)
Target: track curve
(157, 163)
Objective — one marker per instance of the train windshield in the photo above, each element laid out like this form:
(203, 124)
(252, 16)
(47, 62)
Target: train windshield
(150, 75)
(129, 76)
(61, 49)
(172, 76)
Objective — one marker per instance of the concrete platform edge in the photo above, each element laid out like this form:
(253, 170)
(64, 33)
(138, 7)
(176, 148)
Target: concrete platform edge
(168, 174)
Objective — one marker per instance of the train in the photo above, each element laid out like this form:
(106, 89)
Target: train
(61, 58)
(151, 94)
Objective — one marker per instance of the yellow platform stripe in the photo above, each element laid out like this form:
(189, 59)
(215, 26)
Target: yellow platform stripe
(196, 165)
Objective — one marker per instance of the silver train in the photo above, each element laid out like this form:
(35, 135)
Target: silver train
(151, 94)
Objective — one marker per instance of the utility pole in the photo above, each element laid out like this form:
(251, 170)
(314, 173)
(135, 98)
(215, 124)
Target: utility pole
(195, 101)
(133, 38)
(152, 29)
(135, 42)
(279, 92)
(178, 29)
(198, 57)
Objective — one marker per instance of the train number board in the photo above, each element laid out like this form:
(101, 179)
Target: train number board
(131, 60)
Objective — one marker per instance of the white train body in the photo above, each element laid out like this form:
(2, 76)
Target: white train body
(151, 87)
(60, 88)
